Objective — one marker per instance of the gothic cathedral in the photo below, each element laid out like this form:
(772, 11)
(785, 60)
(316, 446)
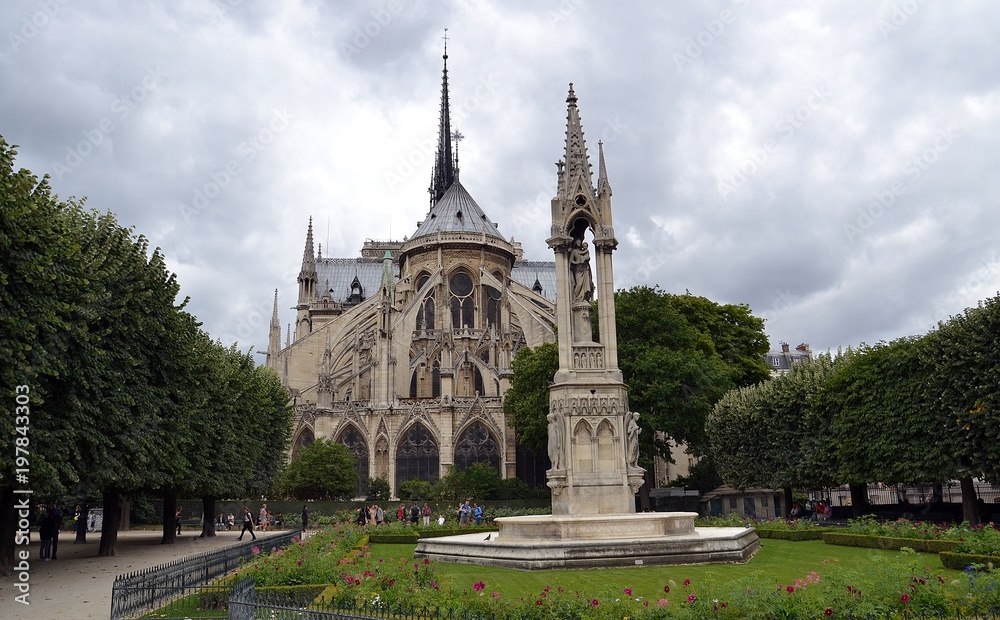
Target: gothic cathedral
(403, 354)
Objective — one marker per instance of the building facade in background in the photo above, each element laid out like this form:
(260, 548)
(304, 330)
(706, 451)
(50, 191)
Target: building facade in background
(403, 353)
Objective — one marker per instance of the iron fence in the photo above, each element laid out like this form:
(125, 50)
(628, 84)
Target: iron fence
(172, 585)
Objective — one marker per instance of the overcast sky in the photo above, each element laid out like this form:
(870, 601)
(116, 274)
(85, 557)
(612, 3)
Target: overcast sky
(835, 165)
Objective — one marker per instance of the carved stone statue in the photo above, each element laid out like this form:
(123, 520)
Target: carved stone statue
(579, 264)
(556, 440)
(632, 431)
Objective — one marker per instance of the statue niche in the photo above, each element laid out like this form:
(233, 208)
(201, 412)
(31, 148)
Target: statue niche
(582, 279)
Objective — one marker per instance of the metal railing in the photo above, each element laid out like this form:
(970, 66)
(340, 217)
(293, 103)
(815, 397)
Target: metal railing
(247, 603)
(137, 593)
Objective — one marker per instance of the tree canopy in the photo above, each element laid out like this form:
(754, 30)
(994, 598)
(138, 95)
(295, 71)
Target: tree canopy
(125, 392)
(323, 470)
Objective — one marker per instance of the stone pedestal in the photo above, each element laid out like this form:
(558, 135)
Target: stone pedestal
(551, 542)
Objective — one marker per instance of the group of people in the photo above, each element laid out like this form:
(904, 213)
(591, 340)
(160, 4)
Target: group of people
(821, 510)
(466, 513)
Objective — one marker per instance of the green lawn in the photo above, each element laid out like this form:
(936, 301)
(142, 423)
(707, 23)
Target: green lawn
(783, 561)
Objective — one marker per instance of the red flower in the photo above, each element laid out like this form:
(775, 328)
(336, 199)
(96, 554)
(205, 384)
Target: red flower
(790, 589)
(538, 602)
(628, 591)
(828, 612)
(594, 602)
(692, 598)
(479, 586)
(666, 589)
(905, 598)
(687, 582)
(427, 561)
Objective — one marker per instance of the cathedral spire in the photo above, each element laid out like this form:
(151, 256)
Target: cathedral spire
(307, 275)
(308, 256)
(444, 163)
(577, 162)
(273, 336)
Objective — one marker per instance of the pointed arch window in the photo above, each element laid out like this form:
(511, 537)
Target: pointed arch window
(358, 447)
(491, 301)
(462, 302)
(476, 444)
(425, 313)
(478, 381)
(436, 379)
(413, 384)
(417, 456)
(305, 438)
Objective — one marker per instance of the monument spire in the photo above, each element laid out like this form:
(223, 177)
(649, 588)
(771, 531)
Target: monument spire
(307, 274)
(444, 163)
(576, 161)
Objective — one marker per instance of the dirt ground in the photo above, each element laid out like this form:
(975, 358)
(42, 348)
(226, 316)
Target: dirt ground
(78, 583)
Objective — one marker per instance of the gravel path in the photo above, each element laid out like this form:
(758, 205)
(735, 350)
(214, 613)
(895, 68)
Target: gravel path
(78, 584)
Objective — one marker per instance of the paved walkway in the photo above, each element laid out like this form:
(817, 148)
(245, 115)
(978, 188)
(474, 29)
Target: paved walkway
(78, 584)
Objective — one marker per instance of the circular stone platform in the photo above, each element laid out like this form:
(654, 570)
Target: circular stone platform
(590, 541)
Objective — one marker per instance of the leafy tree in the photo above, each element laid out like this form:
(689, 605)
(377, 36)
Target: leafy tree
(526, 403)
(324, 470)
(378, 490)
(416, 489)
(964, 358)
(479, 481)
(674, 373)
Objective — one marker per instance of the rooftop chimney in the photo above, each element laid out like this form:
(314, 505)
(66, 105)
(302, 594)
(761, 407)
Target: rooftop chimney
(784, 347)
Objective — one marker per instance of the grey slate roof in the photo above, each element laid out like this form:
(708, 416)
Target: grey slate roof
(526, 271)
(339, 273)
(457, 212)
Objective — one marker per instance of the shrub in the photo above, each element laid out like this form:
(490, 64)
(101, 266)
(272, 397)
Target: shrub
(887, 543)
(378, 490)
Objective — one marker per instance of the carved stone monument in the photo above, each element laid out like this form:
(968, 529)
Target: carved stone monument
(593, 437)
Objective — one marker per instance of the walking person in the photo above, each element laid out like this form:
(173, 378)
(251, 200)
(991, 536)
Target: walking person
(46, 530)
(305, 519)
(247, 524)
(177, 520)
(426, 511)
(57, 520)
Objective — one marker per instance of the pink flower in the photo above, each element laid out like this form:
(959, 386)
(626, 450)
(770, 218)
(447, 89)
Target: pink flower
(687, 582)
(790, 589)
(594, 602)
(905, 598)
(663, 602)
(256, 550)
(628, 591)
(496, 595)
(427, 561)
(692, 598)
(479, 586)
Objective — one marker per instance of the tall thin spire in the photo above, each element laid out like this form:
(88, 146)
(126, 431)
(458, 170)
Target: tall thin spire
(444, 164)
(308, 255)
(602, 172)
(275, 325)
(577, 161)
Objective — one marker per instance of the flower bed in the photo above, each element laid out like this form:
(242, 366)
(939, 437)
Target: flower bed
(339, 562)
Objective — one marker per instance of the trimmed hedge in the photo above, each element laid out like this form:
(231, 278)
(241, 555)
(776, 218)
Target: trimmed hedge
(888, 544)
(793, 535)
(392, 539)
(958, 561)
(296, 594)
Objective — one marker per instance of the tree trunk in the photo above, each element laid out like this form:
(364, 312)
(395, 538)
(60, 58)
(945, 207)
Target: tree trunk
(125, 521)
(8, 527)
(169, 509)
(112, 515)
(788, 501)
(207, 516)
(970, 505)
(859, 499)
(937, 493)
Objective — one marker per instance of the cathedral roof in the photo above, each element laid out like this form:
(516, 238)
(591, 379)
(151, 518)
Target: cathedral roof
(336, 277)
(457, 211)
(544, 272)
